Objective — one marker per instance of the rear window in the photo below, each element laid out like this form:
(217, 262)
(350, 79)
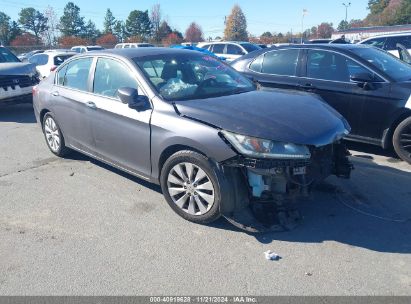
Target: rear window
(249, 47)
(94, 48)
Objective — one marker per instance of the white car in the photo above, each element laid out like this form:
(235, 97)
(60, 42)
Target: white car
(84, 49)
(390, 42)
(49, 60)
(16, 79)
(229, 50)
(133, 45)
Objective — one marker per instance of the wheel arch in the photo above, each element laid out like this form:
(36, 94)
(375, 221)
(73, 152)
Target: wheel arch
(388, 134)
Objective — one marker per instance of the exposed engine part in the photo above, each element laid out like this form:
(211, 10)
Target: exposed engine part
(275, 184)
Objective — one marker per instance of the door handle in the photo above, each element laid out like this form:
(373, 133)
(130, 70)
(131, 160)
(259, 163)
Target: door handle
(55, 93)
(91, 105)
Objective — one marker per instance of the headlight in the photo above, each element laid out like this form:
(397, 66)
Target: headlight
(265, 148)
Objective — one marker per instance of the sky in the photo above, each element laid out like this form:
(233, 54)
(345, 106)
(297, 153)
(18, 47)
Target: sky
(262, 15)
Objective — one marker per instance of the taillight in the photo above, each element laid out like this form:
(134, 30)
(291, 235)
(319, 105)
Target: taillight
(34, 90)
(53, 68)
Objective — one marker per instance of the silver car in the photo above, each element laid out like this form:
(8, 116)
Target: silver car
(192, 124)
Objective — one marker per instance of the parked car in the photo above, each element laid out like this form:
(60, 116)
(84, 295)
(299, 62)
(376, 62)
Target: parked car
(368, 86)
(26, 56)
(191, 123)
(48, 61)
(16, 79)
(389, 42)
(84, 49)
(228, 49)
(132, 45)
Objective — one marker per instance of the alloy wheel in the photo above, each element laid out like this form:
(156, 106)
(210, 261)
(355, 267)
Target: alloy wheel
(405, 140)
(191, 188)
(52, 134)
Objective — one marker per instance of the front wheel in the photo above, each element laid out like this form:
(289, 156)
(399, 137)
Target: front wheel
(191, 187)
(54, 137)
(402, 140)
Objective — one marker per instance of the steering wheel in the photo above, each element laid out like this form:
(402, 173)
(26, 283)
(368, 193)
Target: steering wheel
(210, 82)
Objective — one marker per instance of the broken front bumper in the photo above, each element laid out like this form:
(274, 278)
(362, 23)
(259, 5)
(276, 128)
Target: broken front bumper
(273, 184)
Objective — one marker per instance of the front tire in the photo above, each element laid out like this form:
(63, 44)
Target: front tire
(54, 137)
(191, 187)
(402, 140)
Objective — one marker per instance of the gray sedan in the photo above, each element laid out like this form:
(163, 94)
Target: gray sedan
(192, 124)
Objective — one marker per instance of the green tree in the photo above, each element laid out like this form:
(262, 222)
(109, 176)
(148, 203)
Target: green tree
(109, 22)
(138, 24)
(71, 23)
(4, 29)
(236, 25)
(343, 26)
(377, 6)
(403, 15)
(33, 21)
(120, 31)
(164, 30)
(91, 32)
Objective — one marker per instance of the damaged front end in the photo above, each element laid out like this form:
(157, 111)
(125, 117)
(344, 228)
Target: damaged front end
(273, 184)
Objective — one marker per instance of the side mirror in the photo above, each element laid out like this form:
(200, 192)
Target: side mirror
(364, 80)
(130, 96)
(362, 77)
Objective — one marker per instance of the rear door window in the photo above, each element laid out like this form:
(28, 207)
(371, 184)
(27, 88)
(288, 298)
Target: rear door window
(234, 50)
(377, 42)
(331, 66)
(392, 42)
(76, 76)
(218, 48)
(282, 62)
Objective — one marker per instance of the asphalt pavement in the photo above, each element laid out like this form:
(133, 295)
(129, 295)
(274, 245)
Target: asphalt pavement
(75, 226)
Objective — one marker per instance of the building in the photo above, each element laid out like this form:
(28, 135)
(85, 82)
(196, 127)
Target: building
(361, 33)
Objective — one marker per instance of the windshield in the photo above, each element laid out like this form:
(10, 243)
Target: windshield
(191, 76)
(250, 47)
(7, 56)
(383, 61)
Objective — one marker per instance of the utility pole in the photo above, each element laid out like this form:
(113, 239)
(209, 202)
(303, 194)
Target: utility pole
(346, 10)
(305, 12)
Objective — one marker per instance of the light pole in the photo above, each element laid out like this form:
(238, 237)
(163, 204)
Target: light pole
(305, 12)
(346, 10)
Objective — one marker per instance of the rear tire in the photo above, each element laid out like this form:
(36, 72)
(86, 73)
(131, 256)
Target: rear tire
(402, 140)
(54, 136)
(191, 187)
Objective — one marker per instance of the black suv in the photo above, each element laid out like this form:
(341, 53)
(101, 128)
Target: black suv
(16, 79)
(369, 87)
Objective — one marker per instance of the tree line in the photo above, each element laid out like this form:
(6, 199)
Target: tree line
(71, 28)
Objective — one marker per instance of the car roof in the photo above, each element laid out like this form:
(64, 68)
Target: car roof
(323, 46)
(139, 52)
(389, 35)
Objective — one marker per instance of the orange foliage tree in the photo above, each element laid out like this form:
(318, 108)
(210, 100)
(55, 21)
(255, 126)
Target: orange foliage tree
(172, 39)
(69, 41)
(107, 39)
(25, 39)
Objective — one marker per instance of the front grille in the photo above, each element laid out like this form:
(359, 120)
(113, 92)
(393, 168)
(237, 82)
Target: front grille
(12, 81)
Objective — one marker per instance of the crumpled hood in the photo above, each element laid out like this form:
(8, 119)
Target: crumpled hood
(17, 68)
(289, 116)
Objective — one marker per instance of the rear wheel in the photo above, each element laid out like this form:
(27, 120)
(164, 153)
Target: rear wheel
(402, 140)
(54, 137)
(191, 188)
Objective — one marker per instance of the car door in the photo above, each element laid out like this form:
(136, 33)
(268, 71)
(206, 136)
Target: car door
(329, 73)
(121, 134)
(276, 69)
(70, 94)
